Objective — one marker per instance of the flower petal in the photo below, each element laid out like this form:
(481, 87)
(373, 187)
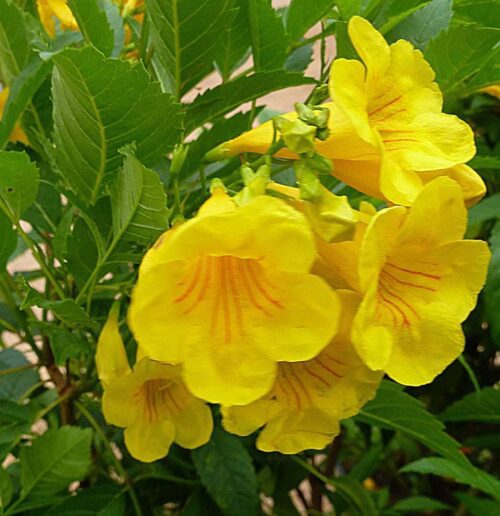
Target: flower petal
(118, 402)
(246, 419)
(148, 442)
(194, 424)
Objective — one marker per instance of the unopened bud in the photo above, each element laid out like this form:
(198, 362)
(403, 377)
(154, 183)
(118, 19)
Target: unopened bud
(310, 186)
(178, 157)
(297, 135)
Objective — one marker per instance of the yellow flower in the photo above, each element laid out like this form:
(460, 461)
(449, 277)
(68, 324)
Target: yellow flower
(151, 402)
(228, 294)
(52, 10)
(17, 135)
(388, 136)
(419, 280)
(493, 90)
(309, 398)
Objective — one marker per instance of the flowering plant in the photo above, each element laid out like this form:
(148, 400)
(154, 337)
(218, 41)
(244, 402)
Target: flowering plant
(214, 308)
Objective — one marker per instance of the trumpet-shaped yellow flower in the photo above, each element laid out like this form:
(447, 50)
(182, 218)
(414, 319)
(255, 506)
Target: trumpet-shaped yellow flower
(52, 10)
(388, 135)
(309, 398)
(229, 294)
(17, 135)
(151, 402)
(419, 281)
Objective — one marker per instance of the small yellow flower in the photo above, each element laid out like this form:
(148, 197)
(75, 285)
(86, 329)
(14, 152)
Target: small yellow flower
(229, 294)
(52, 10)
(387, 133)
(309, 398)
(419, 280)
(17, 135)
(151, 402)
(493, 90)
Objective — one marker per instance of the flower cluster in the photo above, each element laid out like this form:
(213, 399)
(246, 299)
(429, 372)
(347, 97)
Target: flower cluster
(286, 306)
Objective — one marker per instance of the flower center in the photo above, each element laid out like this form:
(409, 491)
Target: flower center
(227, 292)
(157, 400)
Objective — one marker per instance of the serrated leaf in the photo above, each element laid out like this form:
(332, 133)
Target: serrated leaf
(138, 202)
(18, 183)
(303, 14)
(222, 99)
(394, 409)
(485, 12)
(235, 42)
(355, 495)
(54, 460)
(186, 38)
(8, 242)
(478, 506)
(492, 287)
(460, 52)
(101, 500)
(81, 252)
(66, 345)
(470, 476)
(22, 89)
(14, 41)
(14, 385)
(15, 420)
(483, 406)
(424, 24)
(419, 503)
(101, 24)
(226, 471)
(267, 34)
(99, 106)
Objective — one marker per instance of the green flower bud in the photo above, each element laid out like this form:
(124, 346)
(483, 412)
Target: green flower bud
(297, 135)
(178, 157)
(310, 186)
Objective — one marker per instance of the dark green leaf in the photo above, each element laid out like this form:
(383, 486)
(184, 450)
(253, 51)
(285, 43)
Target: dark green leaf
(268, 36)
(471, 476)
(81, 252)
(485, 12)
(460, 52)
(22, 89)
(235, 42)
(45, 213)
(186, 36)
(394, 409)
(14, 385)
(356, 496)
(139, 202)
(224, 98)
(65, 345)
(15, 420)
(199, 503)
(101, 24)
(424, 24)
(492, 287)
(100, 106)
(478, 506)
(14, 41)
(103, 500)
(18, 183)
(299, 59)
(485, 162)
(8, 241)
(6, 489)
(303, 14)
(345, 48)
(226, 471)
(420, 503)
(54, 460)
(483, 406)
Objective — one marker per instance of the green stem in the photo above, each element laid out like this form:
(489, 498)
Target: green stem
(117, 464)
(470, 373)
(18, 369)
(54, 404)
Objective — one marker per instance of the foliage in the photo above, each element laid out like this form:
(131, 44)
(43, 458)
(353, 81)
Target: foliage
(113, 121)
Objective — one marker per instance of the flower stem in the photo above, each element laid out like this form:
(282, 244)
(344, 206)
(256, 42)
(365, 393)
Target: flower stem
(470, 373)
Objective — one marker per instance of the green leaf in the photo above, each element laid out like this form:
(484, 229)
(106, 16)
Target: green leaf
(478, 506)
(66, 310)
(14, 41)
(222, 99)
(226, 471)
(100, 106)
(18, 183)
(424, 24)
(303, 14)
(15, 420)
(54, 460)
(459, 53)
(300, 58)
(6, 489)
(268, 36)
(186, 35)
(394, 409)
(199, 503)
(22, 89)
(81, 252)
(138, 202)
(483, 406)
(8, 242)
(355, 495)
(101, 500)
(14, 385)
(492, 287)
(101, 24)
(65, 345)
(485, 12)
(235, 43)
(485, 162)
(419, 503)
(470, 476)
